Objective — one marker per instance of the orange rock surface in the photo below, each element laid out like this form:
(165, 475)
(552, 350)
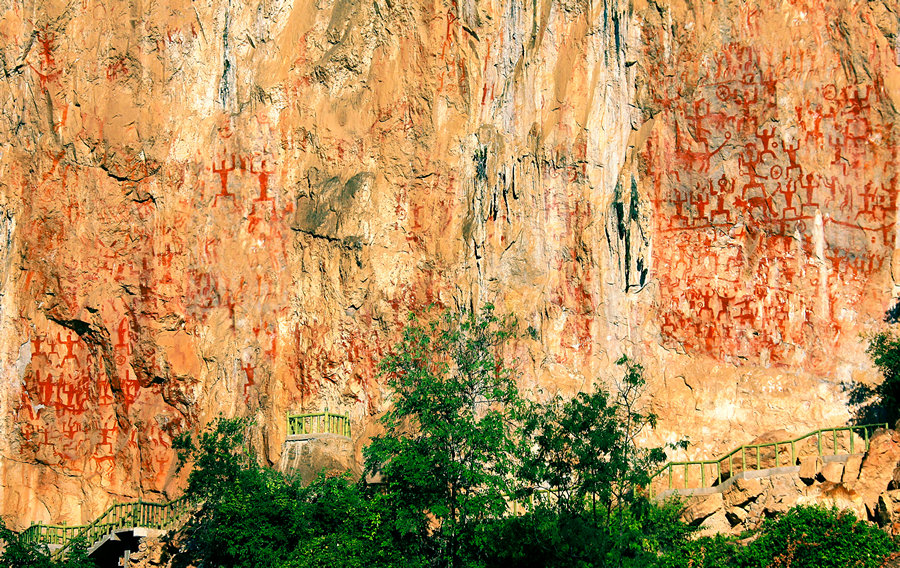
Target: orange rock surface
(224, 207)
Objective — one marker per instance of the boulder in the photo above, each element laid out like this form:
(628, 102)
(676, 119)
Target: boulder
(851, 468)
(742, 491)
(809, 468)
(887, 511)
(714, 524)
(832, 471)
(783, 493)
(700, 507)
(877, 470)
(736, 516)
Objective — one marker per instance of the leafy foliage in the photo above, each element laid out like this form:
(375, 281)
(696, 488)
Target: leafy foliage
(449, 447)
(803, 537)
(581, 453)
(816, 537)
(884, 349)
(19, 554)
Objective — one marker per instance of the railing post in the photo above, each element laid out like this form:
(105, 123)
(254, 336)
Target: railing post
(758, 460)
(819, 442)
(685, 475)
(776, 454)
(743, 459)
(719, 471)
(702, 474)
(834, 436)
(670, 476)
(866, 437)
(793, 454)
(850, 431)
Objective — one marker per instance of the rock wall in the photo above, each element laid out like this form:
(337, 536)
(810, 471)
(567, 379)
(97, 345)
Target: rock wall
(226, 207)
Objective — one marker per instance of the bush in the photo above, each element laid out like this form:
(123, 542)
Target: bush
(804, 537)
(816, 537)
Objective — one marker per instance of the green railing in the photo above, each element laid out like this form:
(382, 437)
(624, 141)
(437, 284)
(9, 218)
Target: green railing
(119, 516)
(754, 457)
(318, 423)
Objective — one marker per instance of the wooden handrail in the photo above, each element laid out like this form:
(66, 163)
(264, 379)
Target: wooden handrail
(740, 455)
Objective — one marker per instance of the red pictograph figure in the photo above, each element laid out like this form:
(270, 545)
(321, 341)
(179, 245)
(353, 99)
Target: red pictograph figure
(723, 189)
(273, 335)
(697, 121)
(107, 433)
(699, 161)
(748, 160)
(835, 190)
(766, 144)
(700, 199)
(678, 201)
(130, 387)
(36, 343)
(70, 346)
(166, 262)
(45, 388)
(254, 218)
(105, 464)
(809, 186)
(249, 370)
(71, 428)
(869, 194)
(66, 393)
(791, 152)
(46, 70)
(223, 172)
(745, 315)
(788, 191)
(116, 69)
(26, 404)
(104, 394)
(123, 343)
(724, 313)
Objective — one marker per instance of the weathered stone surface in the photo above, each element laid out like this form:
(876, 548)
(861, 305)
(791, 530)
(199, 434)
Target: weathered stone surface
(736, 516)
(716, 523)
(782, 493)
(833, 472)
(742, 491)
(810, 467)
(877, 470)
(231, 207)
(699, 507)
(310, 457)
(888, 507)
(851, 468)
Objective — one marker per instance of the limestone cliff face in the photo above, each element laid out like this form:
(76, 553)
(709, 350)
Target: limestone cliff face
(230, 207)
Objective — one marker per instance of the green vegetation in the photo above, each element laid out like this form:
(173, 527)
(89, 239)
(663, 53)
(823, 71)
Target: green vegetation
(19, 554)
(884, 349)
(475, 475)
(804, 537)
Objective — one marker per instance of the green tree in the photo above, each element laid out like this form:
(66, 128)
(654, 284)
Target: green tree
(581, 460)
(884, 349)
(17, 553)
(449, 445)
(76, 556)
(246, 516)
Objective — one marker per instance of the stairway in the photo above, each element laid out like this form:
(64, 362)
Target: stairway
(112, 536)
